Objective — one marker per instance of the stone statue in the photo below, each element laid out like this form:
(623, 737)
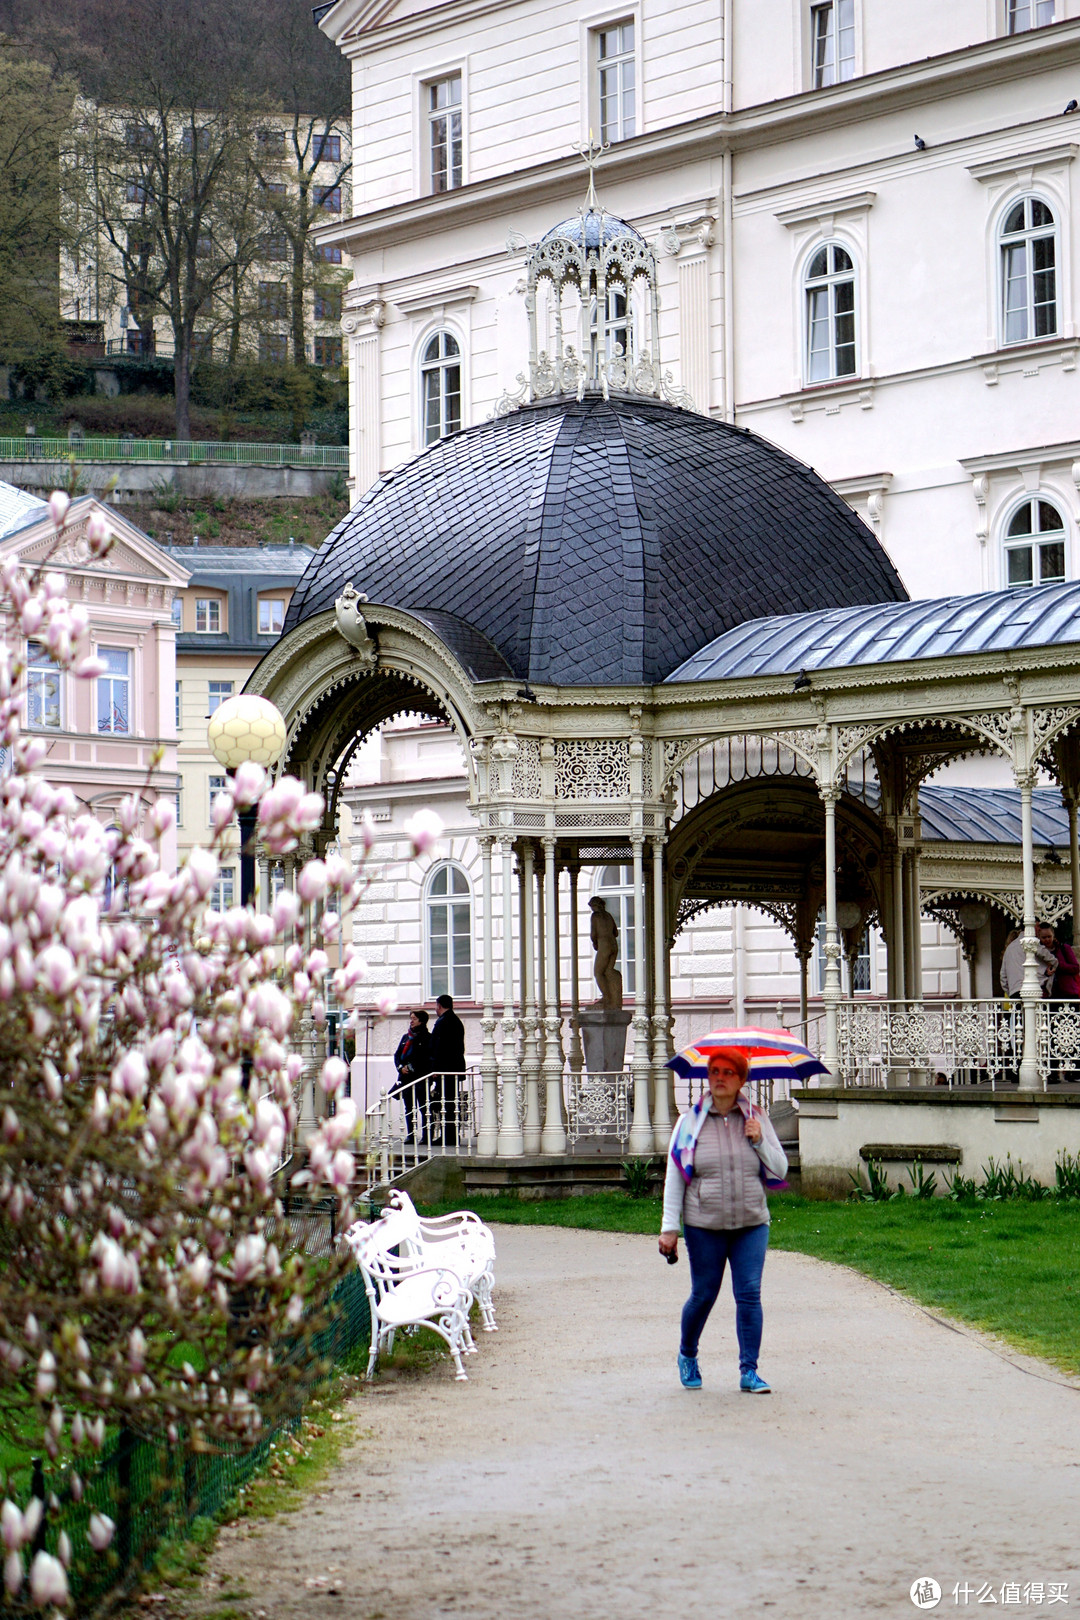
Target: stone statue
(351, 625)
(604, 935)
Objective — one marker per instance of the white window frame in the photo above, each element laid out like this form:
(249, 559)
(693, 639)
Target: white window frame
(830, 281)
(869, 955)
(619, 899)
(127, 682)
(214, 700)
(1035, 11)
(1022, 542)
(212, 605)
(426, 368)
(620, 61)
(178, 713)
(177, 614)
(1030, 234)
(448, 901)
(270, 602)
(222, 894)
(40, 668)
(842, 20)
(425, 83)
(591, 28)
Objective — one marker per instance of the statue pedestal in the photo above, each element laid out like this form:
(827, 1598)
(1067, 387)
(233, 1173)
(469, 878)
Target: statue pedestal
(603, 1032)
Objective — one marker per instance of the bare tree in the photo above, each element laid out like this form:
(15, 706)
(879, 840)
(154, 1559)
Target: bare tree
(166, 165)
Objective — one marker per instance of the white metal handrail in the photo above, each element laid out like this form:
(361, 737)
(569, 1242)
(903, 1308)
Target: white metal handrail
(953, 1042)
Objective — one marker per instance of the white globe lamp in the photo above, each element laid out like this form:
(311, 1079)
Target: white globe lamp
(246, 728)
(242, 729)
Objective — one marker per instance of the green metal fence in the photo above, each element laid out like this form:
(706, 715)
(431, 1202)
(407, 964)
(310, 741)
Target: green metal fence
(153, 1491)
(166, 452)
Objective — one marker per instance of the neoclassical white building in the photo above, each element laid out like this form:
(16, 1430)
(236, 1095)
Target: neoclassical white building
(863, 221)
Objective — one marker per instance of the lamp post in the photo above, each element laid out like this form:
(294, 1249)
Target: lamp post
(246, 729)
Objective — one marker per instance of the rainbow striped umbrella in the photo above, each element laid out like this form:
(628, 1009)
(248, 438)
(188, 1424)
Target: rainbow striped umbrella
(773, 1054)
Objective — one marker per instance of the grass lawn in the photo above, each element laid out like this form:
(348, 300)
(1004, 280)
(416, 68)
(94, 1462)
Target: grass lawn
(1012, 1268)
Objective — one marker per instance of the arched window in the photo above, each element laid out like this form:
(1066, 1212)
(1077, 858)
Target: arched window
(449, 933)
(1028, 272)
(440, 385)
(615, 886)
(616, 333)
(1035, 544)
(830, 314)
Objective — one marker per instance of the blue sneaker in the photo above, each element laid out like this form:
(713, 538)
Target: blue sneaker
(751, 1384)
(689, 1372)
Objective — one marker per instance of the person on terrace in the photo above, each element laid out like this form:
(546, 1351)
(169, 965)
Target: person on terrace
(720, 1153)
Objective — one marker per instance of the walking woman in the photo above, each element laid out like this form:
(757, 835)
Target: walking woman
(721, 1152)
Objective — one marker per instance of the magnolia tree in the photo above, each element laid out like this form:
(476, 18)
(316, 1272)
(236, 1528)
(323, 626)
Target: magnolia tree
(148, 1083)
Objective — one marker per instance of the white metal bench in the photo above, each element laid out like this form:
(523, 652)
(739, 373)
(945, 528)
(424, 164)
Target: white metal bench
(460, 1240)
(405, 1290)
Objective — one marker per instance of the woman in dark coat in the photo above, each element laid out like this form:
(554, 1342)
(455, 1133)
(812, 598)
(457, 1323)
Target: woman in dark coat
(411, 1063)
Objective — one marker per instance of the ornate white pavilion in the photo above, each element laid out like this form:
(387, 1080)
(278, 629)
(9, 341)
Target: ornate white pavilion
(663, 641)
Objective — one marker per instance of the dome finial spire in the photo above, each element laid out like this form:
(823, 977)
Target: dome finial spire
(590, 153)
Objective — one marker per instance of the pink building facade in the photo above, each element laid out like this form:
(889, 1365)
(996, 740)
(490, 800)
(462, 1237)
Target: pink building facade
(104, 734)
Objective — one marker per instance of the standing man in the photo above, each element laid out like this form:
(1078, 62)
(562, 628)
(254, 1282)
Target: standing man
(446, 1064)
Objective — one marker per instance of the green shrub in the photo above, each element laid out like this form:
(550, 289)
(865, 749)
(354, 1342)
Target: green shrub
(639, 1175)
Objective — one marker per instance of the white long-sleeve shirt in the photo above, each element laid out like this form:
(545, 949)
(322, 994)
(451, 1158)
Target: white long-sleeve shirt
(727, 1191)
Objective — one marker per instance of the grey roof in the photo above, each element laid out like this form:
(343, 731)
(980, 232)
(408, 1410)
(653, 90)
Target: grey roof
(983, 815)
(229, 560)
(600, 542)
(18, 509)
(995, 621)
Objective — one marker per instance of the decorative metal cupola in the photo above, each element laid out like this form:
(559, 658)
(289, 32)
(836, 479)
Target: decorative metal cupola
(593, 304)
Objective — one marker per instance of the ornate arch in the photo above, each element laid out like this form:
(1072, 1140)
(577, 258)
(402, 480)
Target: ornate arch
(993, 729)
(332, 695)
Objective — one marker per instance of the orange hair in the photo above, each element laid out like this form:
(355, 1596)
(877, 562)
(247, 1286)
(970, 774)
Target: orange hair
(736, 1057)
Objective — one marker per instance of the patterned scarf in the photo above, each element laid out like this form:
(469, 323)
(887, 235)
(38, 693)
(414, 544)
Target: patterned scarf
(689, 1128)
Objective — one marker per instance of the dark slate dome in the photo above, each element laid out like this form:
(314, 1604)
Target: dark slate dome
(597, 542)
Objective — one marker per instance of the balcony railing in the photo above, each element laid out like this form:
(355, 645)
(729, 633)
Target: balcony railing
(953, 1043)
(168, 452)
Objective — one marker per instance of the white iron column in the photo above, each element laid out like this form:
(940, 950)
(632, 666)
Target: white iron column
(661, 1017)
(916, 917)
(553, 1135)
(1031, 989)
(577, 1057)
(488, 1135)
(510, 1140)
(641, 1136)
(530, 1066)
(832, 991)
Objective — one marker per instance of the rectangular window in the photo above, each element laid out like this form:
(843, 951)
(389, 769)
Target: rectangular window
(270, 143)
(275, 188)
(329, 197)
(856, 974)
(328, 149)
(221, 895)
(328, 303)
(207, 615)
(273, 348)
(136, 191)
(271, 616)
(178, 799)
(443, 102)
(332, 255)
(274, 300)
(194, 142)
(327, 351)
(42, 689)
(178, 706)
(139, 136)
(616, 82)
(178, 612)
(274, 247)
(219, 691)
(114, 691)
(832, 30)
(216, 785)
(1025, 14)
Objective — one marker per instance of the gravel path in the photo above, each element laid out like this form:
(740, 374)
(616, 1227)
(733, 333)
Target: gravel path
(573, 1477)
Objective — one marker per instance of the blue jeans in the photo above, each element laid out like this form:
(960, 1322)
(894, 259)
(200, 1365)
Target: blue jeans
(708, 1252)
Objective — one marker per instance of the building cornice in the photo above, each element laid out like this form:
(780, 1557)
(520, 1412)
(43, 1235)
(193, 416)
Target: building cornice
(973, 68)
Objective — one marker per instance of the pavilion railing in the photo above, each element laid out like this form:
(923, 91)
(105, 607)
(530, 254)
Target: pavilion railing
(168, 452)
(953, 1042)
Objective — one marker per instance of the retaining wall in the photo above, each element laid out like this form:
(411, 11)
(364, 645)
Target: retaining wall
(136, 481)
(1034, 1127)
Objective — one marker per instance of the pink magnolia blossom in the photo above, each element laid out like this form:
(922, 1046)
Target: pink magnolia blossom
(100, 1531)
(334, 1075)
(311, 881)
(424, 829)
(48, 1581)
